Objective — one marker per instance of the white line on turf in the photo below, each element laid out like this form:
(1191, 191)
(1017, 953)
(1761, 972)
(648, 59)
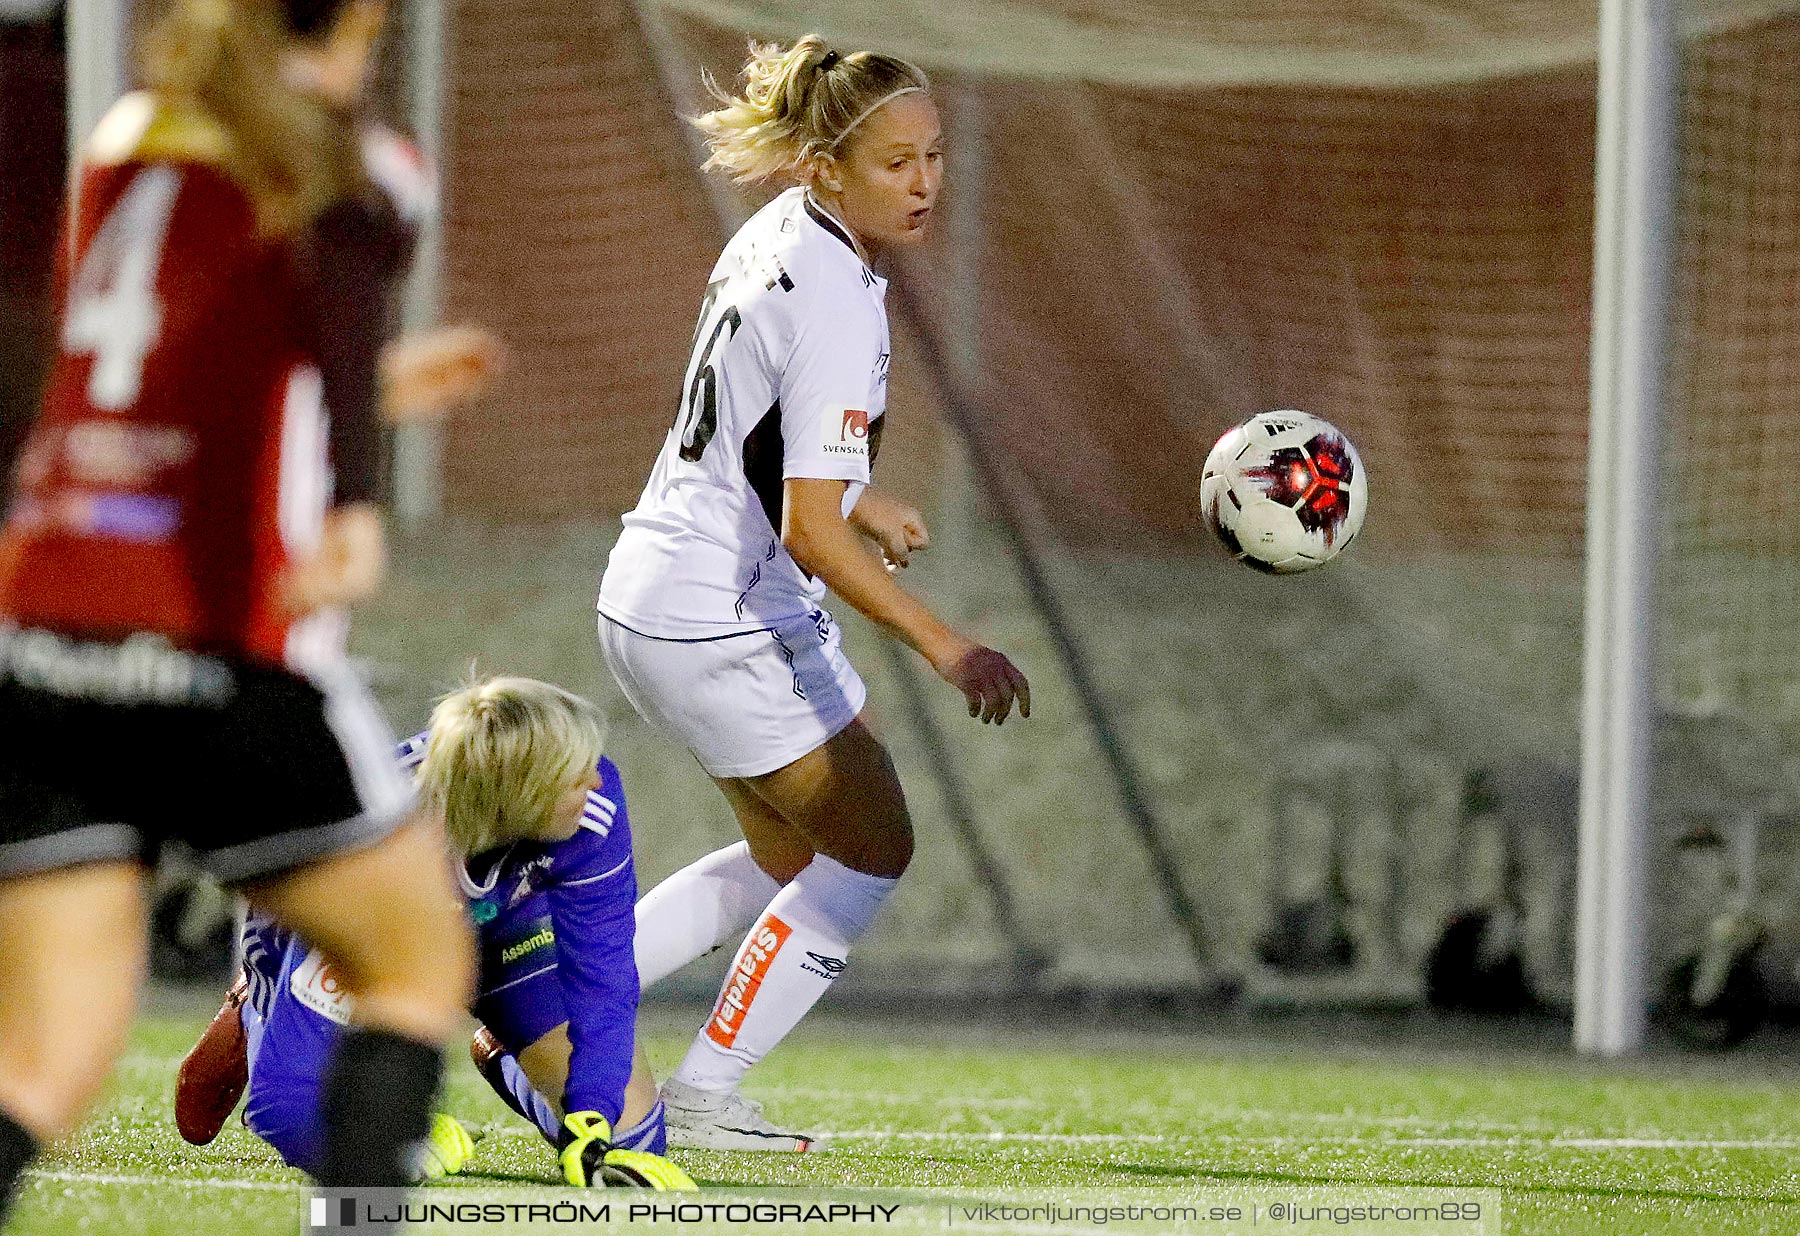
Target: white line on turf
(973, 1103)
(1076, 1100)
(464, 1192)
(1498, 1140)
(180, 1182)
(1506, 1142)
(1608, 1143)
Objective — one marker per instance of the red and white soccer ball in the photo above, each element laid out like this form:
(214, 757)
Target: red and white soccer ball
(1285, 491)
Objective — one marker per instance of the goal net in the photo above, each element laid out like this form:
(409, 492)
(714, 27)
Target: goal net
(1159, 219)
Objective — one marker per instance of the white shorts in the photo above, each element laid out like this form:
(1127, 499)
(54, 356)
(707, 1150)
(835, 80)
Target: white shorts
(744, 704)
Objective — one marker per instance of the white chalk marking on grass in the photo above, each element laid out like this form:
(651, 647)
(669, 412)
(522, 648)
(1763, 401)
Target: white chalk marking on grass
(180, 1182)
(1073, 1099)
(996, 1102)
(1385, 1122)
(1498, 1142)
(1475, 1141)
(1607, 1143)
(1058, 1139)
(876, 1135)
(463, 1192)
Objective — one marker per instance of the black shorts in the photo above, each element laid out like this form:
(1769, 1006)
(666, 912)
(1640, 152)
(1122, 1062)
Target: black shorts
(109, 750)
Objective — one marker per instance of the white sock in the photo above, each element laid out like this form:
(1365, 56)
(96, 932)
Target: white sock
(785, 964)
(699, 909)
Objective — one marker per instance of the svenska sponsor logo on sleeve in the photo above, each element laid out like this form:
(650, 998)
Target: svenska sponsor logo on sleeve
(848, 436)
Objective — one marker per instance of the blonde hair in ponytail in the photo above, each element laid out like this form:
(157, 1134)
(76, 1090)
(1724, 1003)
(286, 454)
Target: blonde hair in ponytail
(225, 58)
(798, 103)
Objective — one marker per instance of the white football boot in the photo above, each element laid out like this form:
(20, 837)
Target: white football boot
(700, 1120)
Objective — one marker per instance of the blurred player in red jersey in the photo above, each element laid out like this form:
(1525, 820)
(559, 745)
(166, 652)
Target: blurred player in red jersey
(194, 505)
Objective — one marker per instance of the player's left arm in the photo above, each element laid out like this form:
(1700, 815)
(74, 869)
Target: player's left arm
(345, 266)
(592, 912)
(426, 373)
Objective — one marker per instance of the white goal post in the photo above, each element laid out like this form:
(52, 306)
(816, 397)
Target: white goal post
(418, 469)
(1633, 250)
(97, 32)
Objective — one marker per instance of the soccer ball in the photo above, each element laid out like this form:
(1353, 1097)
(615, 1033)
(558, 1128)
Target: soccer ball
(1285, 492)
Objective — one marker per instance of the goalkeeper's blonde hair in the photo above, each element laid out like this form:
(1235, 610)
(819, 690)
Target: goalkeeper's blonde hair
(798, 104)
(501, 752)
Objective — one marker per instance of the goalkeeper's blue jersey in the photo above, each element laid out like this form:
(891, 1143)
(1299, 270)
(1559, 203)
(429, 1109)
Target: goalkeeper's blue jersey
(555, 930)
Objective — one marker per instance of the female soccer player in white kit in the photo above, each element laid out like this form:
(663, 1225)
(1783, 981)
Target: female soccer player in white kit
(710, 613)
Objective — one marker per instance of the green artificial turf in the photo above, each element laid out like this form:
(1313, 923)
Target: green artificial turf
(991, 1113)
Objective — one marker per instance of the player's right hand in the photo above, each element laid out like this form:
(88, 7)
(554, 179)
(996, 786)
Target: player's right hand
(347, 567)
(590, 1161)
(896, 528)
(988, 681)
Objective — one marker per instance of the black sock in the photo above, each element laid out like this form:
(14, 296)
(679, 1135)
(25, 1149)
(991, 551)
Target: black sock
(377, 1104)
(17, 1148)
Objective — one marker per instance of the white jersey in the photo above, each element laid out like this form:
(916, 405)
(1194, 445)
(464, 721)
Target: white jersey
(787, 378)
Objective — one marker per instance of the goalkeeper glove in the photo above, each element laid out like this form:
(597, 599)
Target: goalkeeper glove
(589, 1159)
(446, 1149)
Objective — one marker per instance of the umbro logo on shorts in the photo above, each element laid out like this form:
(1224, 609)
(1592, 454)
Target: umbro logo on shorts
(826, 967)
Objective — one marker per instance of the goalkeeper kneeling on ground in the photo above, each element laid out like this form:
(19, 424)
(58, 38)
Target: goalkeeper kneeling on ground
(537, 818)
